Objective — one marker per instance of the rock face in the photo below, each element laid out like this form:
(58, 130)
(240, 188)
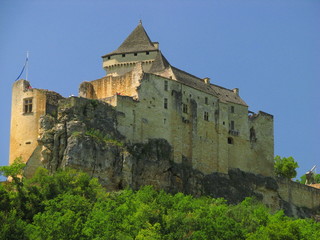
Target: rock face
(83, 135)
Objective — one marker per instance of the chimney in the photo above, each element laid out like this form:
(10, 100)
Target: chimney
(236, 91)
(206, 80)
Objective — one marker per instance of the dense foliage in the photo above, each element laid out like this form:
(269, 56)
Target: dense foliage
(71, 205)
(285, 167)
(314, 179)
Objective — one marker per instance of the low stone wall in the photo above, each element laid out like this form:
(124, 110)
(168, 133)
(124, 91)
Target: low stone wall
(299, 195)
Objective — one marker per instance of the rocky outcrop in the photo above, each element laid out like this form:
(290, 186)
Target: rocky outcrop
(83, 135)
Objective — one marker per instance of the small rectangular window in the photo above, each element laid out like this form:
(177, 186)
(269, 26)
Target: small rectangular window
(166, 85)
(123, 55)
(135, 54)
(147, 53)
(232, 125)
(109, 57)
(185, 108)
(206, 100)
(232, 109)
(206, 116)
(165, 103)
(27, 105)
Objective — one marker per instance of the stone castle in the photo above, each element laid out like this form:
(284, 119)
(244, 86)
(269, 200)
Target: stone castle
(201, 128)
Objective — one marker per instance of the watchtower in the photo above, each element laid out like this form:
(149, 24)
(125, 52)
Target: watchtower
(137, 47)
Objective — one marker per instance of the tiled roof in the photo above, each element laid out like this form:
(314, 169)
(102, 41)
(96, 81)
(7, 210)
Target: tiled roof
(161, 64)
(315, 185)
(224, 94)
(137, 41)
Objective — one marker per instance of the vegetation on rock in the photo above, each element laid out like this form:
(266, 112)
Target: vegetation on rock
(98, 135)
(71, 205)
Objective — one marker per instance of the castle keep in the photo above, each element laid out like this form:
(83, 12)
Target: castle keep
(207, 125)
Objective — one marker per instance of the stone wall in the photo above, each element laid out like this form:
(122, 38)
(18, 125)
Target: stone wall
(118, 64)
(297, 196)
(209, 144)
(25, 124)
(109, 85)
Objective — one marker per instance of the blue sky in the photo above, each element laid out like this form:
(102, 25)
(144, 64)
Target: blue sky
(269, 49)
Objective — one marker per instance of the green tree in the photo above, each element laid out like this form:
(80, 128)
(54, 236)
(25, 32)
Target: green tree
(63, 218)
(316, 179)
(285, 167)
(71, 205)
(14, 170)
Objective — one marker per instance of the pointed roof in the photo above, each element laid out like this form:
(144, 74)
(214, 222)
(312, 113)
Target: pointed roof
(159, 64)
(137, 41)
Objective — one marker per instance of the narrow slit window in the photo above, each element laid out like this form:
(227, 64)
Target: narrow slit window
(165, 103)
(27, 105)
(232, 125)
(206, 100)
(185, 108)
(166, 85)
(232, 109)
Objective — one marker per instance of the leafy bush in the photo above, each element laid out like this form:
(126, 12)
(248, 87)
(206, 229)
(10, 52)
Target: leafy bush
(285, 167)
(71, 205)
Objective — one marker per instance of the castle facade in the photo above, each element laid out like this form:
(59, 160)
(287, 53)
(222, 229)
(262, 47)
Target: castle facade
(208, 126)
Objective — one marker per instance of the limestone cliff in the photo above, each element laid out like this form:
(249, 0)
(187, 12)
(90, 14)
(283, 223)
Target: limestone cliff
(83, 135)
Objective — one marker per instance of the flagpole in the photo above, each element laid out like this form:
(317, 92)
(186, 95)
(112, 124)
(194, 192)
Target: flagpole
(27, 65)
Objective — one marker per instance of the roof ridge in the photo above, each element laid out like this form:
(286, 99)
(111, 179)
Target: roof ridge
(211, 84)
(186, 73)
(160, 63)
